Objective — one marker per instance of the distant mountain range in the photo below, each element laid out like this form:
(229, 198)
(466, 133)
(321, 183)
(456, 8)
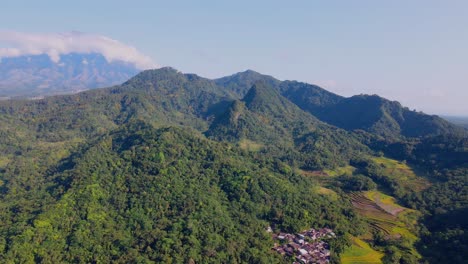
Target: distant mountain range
(37, 75)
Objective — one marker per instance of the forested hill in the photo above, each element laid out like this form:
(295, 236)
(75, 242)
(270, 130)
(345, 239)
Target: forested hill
(366, 112)
(264, 116)
(176, 168)
(140, 194)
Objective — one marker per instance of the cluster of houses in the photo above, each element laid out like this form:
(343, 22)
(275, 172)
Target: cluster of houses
(304, 247)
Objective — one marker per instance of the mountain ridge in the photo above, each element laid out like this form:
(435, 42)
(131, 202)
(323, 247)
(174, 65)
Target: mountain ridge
(371, 113)
(170, 167)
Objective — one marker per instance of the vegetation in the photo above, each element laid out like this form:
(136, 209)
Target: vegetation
(360, 252)
(140, 194)
(175, 168)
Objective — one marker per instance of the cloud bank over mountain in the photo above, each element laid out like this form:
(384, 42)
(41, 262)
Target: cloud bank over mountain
(14, 44)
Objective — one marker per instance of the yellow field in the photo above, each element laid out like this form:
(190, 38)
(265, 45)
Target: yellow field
(325, 191)
(385, 202)
(361, 252)
(405, 174)
(347, 170)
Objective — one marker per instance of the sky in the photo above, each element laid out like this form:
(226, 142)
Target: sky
(415, 52)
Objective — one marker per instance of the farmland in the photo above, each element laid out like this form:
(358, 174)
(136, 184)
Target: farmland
(403, 173)
(361, 252)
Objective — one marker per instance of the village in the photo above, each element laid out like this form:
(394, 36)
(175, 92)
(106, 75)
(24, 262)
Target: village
(304, 247)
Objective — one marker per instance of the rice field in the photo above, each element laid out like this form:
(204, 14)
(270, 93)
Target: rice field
(378, 218)
(403, 173)
(360, 253)
(384, 214)
(385, 202)
(346, 170)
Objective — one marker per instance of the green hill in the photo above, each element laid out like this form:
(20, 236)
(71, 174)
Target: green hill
(264, 116)
(175, 168)
(140, 194)
(370, 113)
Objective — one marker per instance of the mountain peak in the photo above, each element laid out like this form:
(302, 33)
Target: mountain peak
(261, 94)
(240, 83)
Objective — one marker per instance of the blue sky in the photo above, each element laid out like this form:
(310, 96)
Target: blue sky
(415, 52)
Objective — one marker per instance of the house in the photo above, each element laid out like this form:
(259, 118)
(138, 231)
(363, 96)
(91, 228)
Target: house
(301, 247)
(295, 246)
(299, 241)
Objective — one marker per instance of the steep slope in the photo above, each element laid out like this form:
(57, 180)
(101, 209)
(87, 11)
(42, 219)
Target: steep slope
(162, 96)
(383, 117)
(38, 75)
(144, 195)
(264, 116)
(308, 97)
(371, 113)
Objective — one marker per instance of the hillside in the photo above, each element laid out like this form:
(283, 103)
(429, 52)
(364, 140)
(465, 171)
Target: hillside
(166, 195)
(370, 113)
(383, 117)
(176, 168)
(264, 116)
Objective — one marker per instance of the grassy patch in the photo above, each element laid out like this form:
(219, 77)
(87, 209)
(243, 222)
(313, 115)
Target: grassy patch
(308, 173)
(347, 170)
(250, 145)
(403, 173)
(360, 252)
(4, 161)
(328, 192)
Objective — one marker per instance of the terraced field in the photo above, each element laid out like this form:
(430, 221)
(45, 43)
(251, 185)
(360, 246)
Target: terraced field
(381, 211)
(385, 215)
(403, 173)
(360, 253)
(378, 218)
(385, 202)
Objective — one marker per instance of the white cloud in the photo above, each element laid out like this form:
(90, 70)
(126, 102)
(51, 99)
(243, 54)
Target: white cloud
(56, 44)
